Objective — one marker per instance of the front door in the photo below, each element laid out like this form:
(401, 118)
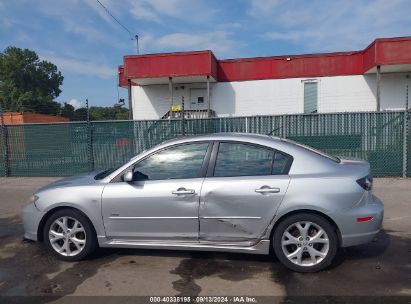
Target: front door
(241, 197)
(162, 201)
(198, 99)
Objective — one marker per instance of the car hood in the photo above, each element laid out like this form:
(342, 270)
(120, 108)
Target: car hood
(76, 180)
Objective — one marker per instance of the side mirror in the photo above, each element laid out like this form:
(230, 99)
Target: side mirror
(128, 177)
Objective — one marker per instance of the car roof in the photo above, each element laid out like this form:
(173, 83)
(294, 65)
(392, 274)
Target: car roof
(302, 157)
(223, 136)
(229, 136)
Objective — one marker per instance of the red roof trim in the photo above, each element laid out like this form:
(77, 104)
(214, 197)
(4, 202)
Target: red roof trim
(382, 51)
(283, 57)
(170, 54)
(201, 63)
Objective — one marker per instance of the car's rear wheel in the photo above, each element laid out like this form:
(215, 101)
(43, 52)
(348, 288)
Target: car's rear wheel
(69, 235)
(305, 242)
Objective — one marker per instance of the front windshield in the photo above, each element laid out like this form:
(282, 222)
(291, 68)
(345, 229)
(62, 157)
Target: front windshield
(105, 173)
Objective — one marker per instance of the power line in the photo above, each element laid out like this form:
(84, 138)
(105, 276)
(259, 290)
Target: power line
(123, 26)
(133, 37)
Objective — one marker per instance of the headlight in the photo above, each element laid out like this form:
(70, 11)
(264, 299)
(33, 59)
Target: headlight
(33, 199)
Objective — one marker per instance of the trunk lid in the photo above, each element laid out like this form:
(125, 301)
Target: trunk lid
(356, 166)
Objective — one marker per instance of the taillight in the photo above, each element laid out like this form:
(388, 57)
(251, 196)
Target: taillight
(365, 182)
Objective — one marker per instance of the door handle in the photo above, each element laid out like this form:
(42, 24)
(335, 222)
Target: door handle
(183, 191)
(266, 189)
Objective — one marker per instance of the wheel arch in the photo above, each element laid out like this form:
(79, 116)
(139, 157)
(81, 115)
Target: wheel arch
(304, 211)
(50, 212)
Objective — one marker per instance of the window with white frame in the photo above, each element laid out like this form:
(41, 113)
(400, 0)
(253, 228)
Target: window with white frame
(310, 97)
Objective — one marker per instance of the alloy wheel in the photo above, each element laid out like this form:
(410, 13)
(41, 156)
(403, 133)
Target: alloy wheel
(67, 236)
(305, 243)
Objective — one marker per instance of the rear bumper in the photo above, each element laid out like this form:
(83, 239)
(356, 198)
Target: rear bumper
(356, 233)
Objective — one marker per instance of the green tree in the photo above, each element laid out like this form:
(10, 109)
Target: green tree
(67, 110)
(28, 83)
(106, 113)
(96, 113)
(80, 114)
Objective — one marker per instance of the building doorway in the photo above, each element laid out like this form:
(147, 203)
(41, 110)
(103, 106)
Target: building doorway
(198, 99)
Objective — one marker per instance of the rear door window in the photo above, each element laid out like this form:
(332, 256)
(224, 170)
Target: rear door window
(241, 159)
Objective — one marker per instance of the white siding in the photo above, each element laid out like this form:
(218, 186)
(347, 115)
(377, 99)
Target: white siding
(347, 94)
(150, 102)
(258, 97)
(278, 96)
(393, 91)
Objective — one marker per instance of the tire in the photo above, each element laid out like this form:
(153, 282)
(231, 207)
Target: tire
(74, 243)
(309, 254)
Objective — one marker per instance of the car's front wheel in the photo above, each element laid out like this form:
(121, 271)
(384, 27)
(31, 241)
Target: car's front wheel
(305, 242)
(69, 235)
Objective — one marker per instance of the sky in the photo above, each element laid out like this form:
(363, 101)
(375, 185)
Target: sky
(87, 45)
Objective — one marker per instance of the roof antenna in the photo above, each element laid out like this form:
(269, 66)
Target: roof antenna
(274, 130)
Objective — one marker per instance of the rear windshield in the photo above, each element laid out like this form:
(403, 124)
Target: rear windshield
(330, 157)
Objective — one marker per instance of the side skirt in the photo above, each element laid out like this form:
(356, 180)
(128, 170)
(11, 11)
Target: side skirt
(262, 247)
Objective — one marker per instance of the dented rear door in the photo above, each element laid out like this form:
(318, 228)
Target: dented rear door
(231, 210)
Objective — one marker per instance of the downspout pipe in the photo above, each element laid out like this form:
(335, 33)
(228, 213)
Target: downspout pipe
(378, 88)
(130, 102)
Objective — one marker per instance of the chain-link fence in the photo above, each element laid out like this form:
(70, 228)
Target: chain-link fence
(3, 151)
(63, 149)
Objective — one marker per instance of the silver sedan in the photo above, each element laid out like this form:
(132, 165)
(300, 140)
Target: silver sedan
(221, 192)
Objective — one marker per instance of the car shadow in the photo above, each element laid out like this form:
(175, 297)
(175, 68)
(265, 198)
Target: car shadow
(366, 251)
(370, 250)
(131, 252)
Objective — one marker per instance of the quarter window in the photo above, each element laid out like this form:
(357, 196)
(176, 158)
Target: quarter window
(280, 164)
(179, 162)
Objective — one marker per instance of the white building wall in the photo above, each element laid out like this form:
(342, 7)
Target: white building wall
(277, 96)
(393, 91)
(257, 97)
(347, 94)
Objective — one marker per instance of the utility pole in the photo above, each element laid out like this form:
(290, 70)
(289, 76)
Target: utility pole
(137, 47)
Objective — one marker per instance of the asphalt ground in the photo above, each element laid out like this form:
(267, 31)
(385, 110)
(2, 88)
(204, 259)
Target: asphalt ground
(378, 272)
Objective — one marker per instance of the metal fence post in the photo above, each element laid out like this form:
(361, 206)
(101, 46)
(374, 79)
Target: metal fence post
(405, 137)
(5, 148)
(183, 127)
(90, 152)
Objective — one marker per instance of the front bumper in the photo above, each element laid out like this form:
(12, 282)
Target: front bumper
(31, 218)
(356, 233)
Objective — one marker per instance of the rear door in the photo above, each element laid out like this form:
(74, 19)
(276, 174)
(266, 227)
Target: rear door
(243, 189)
